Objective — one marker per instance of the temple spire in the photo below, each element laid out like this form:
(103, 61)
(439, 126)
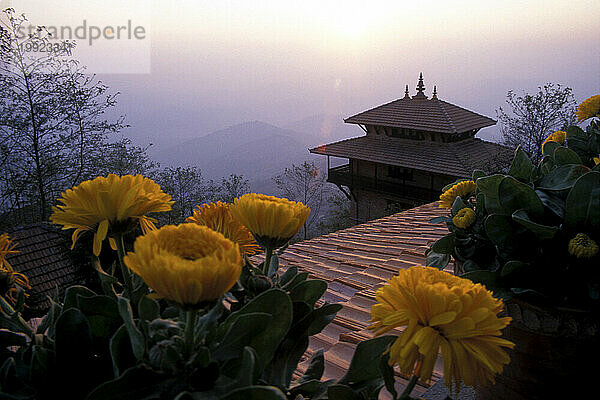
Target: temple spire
(420, 88)
(434, 92)
(406, 94)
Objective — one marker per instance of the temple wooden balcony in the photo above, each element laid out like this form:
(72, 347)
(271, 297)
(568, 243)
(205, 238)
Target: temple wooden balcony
(342, 176)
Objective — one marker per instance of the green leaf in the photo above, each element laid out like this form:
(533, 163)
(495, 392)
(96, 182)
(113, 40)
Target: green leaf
(439, 220)
(478, 174)
(583, 203)
(487, 278)
(43, 365)
(300, 277)
(289, 352)
(512, 266)
(577, 140)
(49, 319)
(138, 343)
(120, 351)
(148, 309)
(73, 341)
(437, 260)
(315, 368)
(445, 244)
(562, 178)
(277, 303)
(500, 230)
(457, 205)
(543, 232)
(255, 393)
(565, 156)
(321, 317)
(342, 392)
(514, 195)
(240, 334)
(365, 362)
(521, 166)
(552, 202)
(488, 185)
(549, 147)
(72, 293)
(288, 275)
(387, 371)
(309, 291)
(138, 382)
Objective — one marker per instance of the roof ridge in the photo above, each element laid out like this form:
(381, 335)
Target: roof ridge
(454, 130)
(374, 108)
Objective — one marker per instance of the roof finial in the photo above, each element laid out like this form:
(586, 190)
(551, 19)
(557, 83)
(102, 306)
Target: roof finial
(406, 94)
(420, 88)
(434, 92)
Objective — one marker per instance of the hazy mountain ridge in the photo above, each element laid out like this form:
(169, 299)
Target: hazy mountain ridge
(256, 149)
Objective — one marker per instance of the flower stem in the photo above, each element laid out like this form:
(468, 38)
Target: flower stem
(409, 388)
(124, 270)
(190, 324)
(268, 256)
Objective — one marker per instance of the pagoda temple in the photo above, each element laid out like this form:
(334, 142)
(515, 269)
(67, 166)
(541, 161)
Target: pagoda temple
(412, 148)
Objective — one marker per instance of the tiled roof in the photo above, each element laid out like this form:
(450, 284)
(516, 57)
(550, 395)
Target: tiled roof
(455, 158)
(423, 114)
(355, 262)
(44, 258)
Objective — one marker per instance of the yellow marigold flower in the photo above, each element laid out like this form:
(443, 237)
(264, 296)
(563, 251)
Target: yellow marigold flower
(442, 311)
(588, 109)
(6, 247)
(272, 221)
(188, 264)
(583, 246)
(217, 216)
(464, 218)
(113, 203)
(8, 276)
(559, 137)
(597, 160)
(464, 188)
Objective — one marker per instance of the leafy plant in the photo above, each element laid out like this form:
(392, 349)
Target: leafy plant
(536, 228)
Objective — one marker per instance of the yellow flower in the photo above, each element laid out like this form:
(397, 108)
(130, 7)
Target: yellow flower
(188, 264)
(597, 160)
(588, 109)
(464, 188)
(464, 218)
(442, 311)
(217, 216)
(6, 247)
(559, 137)
(8, 276)
(272, 221)
(112, 203)
(583, 246)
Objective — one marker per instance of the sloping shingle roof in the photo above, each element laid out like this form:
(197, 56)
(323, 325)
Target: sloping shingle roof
(44, 258)
(423, 114)
(355, 262)
(455, 159)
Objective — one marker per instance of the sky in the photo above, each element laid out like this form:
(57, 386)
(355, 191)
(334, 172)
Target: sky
(206, 65)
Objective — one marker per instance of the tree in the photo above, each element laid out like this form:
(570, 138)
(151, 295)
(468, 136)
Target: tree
(338, 215)
(533, 117)
(233, 187)
(52, 119)
(304, 183)
(123, 158)
(187, 189)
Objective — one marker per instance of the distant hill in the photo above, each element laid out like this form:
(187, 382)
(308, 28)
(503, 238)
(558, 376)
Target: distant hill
(254, 149)
(325, 128)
